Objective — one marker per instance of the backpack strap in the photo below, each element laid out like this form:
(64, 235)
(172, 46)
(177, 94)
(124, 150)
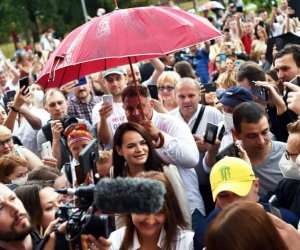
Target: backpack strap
(47, 132)
(199, 117)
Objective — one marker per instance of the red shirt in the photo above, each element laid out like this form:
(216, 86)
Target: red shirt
(246, 39)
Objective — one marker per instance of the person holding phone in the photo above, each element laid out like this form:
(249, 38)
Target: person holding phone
(56, 104)
(229, 100)
(82, 102)
(25, 120)
(251, 128)
(233, 179)
(108, 116)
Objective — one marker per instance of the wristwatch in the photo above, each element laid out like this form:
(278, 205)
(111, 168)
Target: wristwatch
(14, 109)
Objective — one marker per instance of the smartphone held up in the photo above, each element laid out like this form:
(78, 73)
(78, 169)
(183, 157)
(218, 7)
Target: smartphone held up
(24, 82)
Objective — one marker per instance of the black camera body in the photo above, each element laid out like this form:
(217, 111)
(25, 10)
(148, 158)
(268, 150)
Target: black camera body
(81, 219)
(79, 222)
(68, 120)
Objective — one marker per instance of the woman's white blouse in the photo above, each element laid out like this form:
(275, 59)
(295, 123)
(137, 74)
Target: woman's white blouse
(184, 240)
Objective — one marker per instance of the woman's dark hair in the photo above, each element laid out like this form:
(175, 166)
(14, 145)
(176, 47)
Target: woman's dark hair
(44, 173)
(273, 74)
(30, 197)
(174, 217)
(153, 161)
(185, 69)
(243, 225)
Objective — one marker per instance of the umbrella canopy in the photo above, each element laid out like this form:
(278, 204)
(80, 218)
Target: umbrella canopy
(211, 5)
(121, 37)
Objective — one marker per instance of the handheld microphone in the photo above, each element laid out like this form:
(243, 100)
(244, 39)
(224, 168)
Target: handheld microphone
(129, 195)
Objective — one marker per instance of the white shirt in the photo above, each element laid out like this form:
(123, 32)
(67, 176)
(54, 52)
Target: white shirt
(114, 120)
(26, 133)
(184, 240)
(210, 114)
(180, 150)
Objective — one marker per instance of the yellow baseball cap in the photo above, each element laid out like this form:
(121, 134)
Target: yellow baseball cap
(231, 174)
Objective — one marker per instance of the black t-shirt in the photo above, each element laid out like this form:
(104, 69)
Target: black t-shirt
(36, 241)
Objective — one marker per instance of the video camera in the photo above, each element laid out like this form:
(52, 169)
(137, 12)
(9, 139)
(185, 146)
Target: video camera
(81, 219)
(120, 195)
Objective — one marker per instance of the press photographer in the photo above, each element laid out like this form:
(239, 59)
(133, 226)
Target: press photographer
(55, 103)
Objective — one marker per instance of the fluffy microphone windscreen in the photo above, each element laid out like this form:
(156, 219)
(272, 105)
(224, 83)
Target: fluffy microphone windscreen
(129, 195)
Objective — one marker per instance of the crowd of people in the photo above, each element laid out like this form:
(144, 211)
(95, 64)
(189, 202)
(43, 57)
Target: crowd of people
(222, 186)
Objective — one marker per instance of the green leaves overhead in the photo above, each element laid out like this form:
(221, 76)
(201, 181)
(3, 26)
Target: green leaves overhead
(33, 16)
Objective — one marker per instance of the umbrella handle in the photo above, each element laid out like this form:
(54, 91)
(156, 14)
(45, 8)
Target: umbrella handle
(161, 141)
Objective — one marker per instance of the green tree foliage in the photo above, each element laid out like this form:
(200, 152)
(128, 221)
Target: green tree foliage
(267, 4)
(34, 16)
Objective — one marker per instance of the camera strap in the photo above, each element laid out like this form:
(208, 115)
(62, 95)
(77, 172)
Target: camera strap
(199, 117)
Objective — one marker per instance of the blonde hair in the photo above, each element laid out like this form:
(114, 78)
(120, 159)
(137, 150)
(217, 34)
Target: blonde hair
(4, 130)
(294, 127)
(227, 79)
(51, 92)
(168, 76)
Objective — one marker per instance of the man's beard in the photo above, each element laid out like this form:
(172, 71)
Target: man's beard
(13, 235)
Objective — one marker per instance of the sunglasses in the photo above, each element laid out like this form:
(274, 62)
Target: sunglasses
(167, 88)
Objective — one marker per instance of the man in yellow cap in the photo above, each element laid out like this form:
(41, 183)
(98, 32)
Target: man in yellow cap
(233, 179)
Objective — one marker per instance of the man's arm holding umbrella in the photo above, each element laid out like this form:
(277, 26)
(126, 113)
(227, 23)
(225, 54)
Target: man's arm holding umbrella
(158, 69)
(178, 146)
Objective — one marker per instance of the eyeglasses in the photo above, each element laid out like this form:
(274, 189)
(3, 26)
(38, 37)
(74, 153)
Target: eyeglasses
(288, 155)
(8, 142)
(167, 88)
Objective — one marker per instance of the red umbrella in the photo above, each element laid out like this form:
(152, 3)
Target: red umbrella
(121, 37)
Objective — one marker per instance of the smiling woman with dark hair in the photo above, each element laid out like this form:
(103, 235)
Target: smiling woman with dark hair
(166, 229)
(133, 153)
(129, 136)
